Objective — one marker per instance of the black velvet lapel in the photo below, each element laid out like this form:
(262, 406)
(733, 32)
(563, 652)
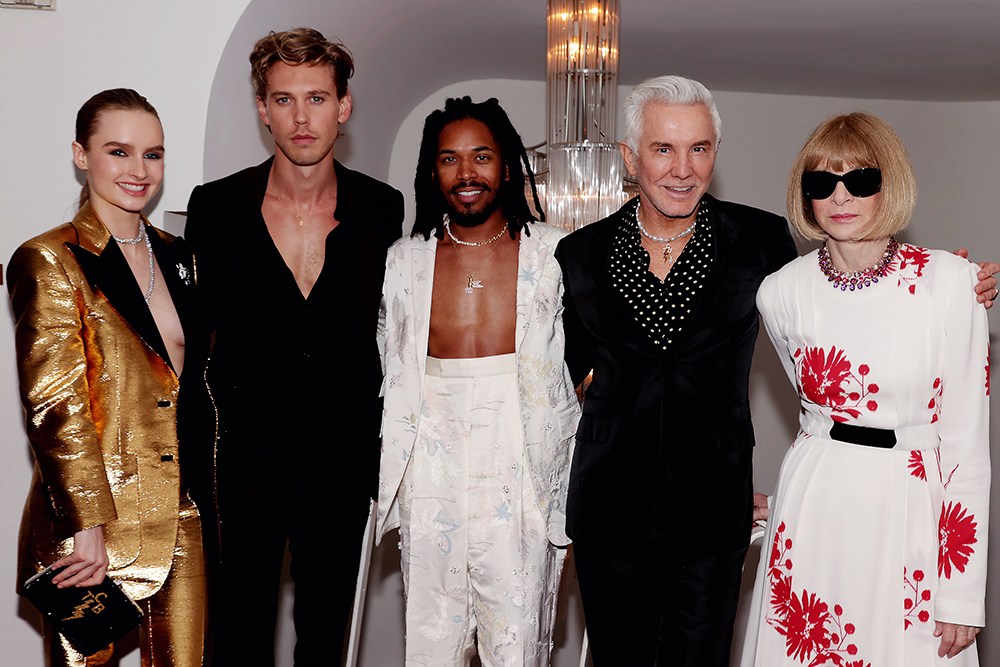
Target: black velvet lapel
(110, 273)
(177, 269)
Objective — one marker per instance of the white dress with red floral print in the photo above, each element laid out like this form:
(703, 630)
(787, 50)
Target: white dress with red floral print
(866, 547)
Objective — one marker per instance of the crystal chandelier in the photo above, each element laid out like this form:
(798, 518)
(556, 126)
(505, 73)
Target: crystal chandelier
(583, 182)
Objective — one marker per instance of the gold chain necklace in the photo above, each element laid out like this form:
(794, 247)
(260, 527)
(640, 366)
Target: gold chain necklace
(300, 216)
(473, 283)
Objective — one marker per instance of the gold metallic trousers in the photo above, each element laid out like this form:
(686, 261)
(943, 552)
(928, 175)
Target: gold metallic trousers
(175, 618)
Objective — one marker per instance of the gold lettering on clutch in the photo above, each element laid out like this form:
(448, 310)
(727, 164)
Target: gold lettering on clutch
(88, 600)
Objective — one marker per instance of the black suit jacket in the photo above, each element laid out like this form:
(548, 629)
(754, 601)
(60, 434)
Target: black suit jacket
(235, 264)
(665, 440)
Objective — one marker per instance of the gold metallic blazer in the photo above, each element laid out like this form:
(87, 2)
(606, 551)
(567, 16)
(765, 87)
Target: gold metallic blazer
(100, 398)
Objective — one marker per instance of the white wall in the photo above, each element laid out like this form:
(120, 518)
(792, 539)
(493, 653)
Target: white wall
(52, 62)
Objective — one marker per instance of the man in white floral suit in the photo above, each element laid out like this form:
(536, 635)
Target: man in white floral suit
(480, 414)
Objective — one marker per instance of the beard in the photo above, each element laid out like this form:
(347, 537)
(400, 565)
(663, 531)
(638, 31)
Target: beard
(468, 217)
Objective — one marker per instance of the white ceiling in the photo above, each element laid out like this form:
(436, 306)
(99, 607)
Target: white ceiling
(407, 49)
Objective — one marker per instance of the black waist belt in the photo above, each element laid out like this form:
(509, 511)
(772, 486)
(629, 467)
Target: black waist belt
(863, 435)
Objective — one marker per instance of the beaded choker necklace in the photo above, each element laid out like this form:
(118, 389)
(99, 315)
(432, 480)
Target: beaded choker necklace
(852, 280)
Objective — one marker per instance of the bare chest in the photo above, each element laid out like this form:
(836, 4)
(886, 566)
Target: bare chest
(474, 300)
(301, 241)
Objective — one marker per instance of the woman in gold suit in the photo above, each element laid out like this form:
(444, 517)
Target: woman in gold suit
(110, 361)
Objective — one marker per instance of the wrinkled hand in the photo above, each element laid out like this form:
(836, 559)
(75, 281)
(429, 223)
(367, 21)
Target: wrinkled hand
(954, 638)
(760, 511)
(88, 563)
(986, 288)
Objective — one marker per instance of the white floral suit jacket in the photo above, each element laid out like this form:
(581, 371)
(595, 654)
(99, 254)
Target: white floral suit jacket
(549, 407)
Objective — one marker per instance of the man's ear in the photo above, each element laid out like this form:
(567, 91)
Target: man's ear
(79, 155)
(628, 156)
(262, 112)
(346, 105)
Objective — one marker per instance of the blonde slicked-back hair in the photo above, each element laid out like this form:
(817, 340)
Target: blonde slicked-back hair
(300, 46)
(853, 141)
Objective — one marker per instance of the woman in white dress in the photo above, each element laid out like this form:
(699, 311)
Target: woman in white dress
(875, 553)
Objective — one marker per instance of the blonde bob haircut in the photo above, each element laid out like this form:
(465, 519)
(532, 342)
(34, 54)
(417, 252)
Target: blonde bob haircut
(853, 141)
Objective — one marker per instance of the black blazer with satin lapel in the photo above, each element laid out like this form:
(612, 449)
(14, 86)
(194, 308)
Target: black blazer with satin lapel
(224, 250)
(231, 262)
(665, 427)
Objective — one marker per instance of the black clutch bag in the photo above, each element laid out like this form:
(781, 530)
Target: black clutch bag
(89, 618)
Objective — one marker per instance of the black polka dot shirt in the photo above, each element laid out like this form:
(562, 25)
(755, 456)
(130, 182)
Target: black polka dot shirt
(661, 308)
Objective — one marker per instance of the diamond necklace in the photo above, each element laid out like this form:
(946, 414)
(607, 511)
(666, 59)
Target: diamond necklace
(143, 236)
(668, 253)
(852, 280)
(447, 228)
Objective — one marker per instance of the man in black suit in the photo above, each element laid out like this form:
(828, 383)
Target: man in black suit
(660, 491)
(292, 254)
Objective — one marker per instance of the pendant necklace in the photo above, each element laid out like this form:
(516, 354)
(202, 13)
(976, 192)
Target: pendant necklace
(473, 283)
(300, 216)
(668, 253)
(143, 236)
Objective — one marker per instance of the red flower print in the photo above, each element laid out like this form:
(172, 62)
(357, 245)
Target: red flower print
(935, 402)
(781, 595)
(912, 261)
(914, 598)
(825, 378)
(957, 535)
(918, 257)
(804, 627)
(823, 375)
(916, 465)
(812, 634)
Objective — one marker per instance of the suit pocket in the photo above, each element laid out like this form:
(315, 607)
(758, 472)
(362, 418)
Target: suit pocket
(568, 419)
(594, 428)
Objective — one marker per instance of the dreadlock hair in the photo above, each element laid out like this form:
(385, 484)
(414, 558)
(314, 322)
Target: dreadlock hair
(431, 205)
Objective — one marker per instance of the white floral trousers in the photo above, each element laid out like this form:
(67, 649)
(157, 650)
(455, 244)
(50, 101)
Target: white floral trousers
(477, 566)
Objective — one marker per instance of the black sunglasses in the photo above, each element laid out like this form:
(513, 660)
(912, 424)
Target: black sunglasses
(863, 182)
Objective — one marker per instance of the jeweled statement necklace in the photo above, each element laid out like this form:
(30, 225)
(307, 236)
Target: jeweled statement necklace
(473, 283)
(852, 280)
(668, 252)
(143, 236)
